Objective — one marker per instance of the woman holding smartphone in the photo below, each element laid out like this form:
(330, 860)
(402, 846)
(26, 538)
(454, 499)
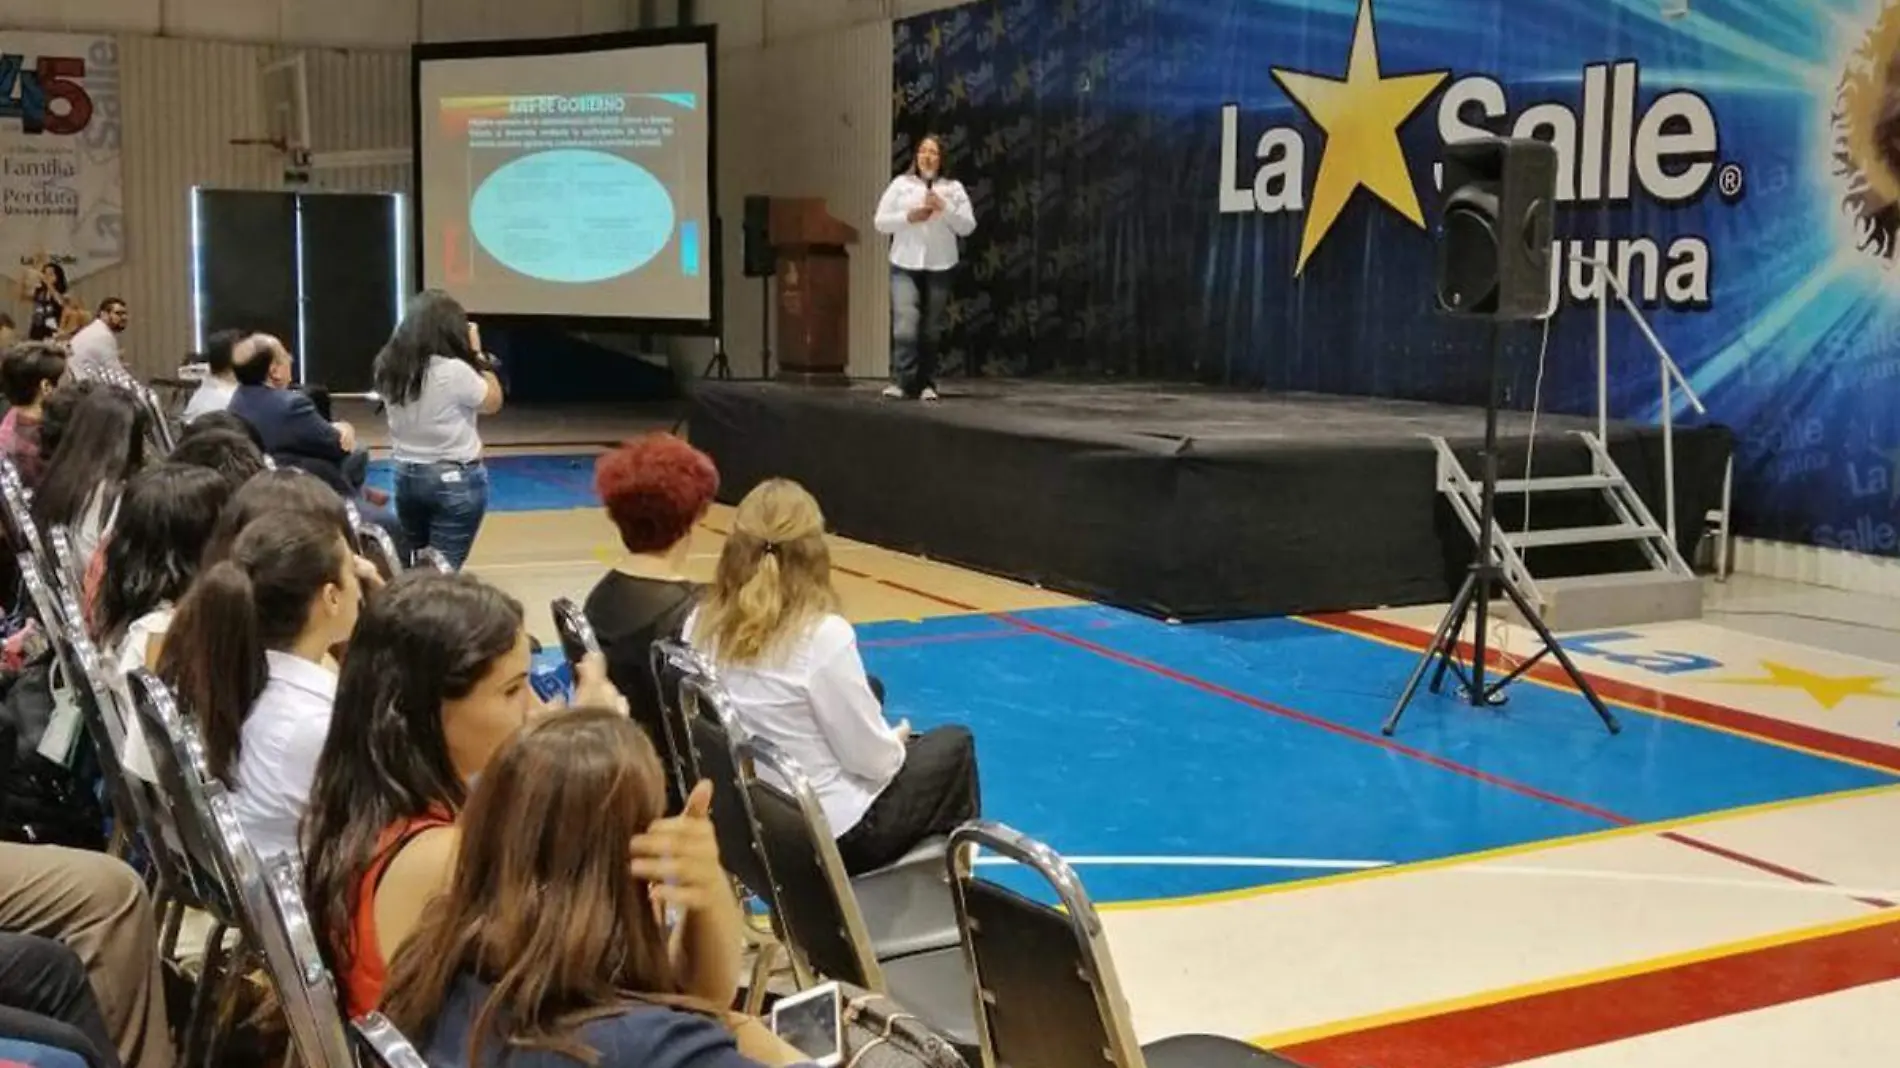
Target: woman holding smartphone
(437, 383)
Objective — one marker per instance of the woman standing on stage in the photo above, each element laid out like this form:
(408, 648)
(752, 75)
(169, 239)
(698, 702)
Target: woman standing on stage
(925, 212)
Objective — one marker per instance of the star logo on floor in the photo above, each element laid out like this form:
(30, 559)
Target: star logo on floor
(1361, 116)
(1827, 690)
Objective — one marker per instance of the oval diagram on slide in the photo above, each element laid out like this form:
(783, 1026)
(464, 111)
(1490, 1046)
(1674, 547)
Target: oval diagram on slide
(572, 215)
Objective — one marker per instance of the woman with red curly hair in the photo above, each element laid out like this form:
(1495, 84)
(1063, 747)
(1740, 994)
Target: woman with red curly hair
(656, 489)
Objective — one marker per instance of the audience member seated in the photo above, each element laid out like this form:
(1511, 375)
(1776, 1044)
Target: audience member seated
(436, 384)
(656, 489)
(102, 448)
(47, 981)
(547, 948)
(95, 346)
(28, 374)
(166, 516)
(286, 490)
(436, 681)
(57, 414)
(233, 456)
(220, 382)
(222, 421)
(293, 433)
(790, 662)
(247, 654)
(97, 907)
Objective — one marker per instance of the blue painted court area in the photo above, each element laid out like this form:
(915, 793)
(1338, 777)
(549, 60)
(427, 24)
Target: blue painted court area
(1110, 735)
(523, 483)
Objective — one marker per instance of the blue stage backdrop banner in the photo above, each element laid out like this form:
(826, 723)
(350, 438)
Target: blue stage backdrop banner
(1241, 192)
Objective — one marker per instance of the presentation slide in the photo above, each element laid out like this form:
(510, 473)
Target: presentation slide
(569, 184)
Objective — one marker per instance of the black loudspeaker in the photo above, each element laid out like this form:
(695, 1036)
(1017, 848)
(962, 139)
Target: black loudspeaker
(1494, 236)
(760, 260)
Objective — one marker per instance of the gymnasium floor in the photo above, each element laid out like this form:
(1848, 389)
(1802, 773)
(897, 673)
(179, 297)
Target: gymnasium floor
(1714, 886)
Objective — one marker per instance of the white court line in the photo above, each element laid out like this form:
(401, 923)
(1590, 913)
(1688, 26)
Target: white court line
(1476, 868)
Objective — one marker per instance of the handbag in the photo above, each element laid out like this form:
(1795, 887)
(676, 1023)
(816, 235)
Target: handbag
(879, 1033)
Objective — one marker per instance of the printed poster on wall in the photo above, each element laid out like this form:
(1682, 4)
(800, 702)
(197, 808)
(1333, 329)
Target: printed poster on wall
(60, 193)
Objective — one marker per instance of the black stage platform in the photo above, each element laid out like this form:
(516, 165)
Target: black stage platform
(1173, 500)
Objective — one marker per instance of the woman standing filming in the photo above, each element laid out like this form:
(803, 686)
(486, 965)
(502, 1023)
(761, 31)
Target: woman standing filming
(437, 382)
(925, 212)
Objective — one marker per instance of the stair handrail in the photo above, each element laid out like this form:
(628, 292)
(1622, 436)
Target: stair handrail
(1671, 375)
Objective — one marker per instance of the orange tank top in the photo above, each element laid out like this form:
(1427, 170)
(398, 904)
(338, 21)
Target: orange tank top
(363, 981)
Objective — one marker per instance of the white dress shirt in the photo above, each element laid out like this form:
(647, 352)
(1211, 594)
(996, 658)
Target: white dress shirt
(278, 750)
(930, 245)
(815, 703)
(96, 352)
(212, 395)
(439, 425)
(131, 655)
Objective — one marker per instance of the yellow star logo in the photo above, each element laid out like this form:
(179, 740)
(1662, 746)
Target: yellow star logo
(1361, 117)
(1827, 690)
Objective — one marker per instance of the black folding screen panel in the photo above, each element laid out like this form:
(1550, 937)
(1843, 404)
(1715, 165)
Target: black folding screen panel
(246, 270)
(319, 270)
(349, 271)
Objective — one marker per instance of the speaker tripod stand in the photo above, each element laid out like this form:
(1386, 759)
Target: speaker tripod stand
(1474, 599)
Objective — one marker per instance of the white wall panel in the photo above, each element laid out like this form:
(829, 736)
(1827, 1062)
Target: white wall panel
(809, 117)
(126, 16)
(185, 101)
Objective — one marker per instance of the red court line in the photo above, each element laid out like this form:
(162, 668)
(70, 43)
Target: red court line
(1319, 723)
(1878, 754)
(1762, 865)
(1540, 1025)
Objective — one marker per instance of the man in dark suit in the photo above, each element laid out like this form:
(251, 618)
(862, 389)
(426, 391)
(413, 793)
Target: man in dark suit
(294, 434)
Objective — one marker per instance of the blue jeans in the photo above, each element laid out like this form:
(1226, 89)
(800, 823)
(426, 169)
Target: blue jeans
(918, 302)
(440, 506)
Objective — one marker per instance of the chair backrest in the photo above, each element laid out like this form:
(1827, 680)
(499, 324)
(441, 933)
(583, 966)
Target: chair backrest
(17, 509)
(161, 424)
(812, 896)
(433, 558)
(186, 825)
(673, 662)
(383, 1046)
(1047, 995)
(374, 542)
(273, 918)
(713, 734)
(67, 569)
(577, 634)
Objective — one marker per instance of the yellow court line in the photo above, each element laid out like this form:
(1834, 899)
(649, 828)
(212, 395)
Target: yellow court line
(1518, 849)
(1631, 705)
(1301, 1036)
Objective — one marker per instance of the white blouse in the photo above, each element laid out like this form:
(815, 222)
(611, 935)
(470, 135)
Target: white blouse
(278, 750)
(815, 703)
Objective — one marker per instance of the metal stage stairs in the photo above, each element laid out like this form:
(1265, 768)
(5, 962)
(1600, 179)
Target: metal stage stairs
(1665, 590)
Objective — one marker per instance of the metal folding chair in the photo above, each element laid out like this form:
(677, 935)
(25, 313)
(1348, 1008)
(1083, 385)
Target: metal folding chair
(374, 542)
(819, 912)
(188, 835)
(433, 558)
(1026, 957)
(383, 1046)
(278, 930)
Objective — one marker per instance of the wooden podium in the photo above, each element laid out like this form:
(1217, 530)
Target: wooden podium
(814, 290)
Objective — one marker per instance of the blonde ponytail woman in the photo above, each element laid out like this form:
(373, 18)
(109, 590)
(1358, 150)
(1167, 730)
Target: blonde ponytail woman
(790, 661)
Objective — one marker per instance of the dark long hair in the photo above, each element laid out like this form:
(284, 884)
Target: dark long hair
(285, 491)
(426, 638)
(434, 324)
(233, 456)
(553, 920)
(102, 447)
(59, 278)
(164, 519)
(257, 600)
